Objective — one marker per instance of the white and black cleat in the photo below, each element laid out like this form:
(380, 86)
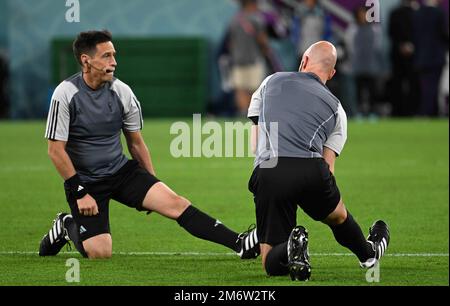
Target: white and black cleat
(56, 238)
(379, 238)
(249, 244)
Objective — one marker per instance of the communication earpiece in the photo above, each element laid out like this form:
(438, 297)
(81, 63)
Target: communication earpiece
(87, 62)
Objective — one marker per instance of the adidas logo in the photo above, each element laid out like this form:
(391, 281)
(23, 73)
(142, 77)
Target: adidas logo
(80, 188)
(82, 229)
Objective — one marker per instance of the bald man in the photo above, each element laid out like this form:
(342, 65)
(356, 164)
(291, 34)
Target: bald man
(302, 128)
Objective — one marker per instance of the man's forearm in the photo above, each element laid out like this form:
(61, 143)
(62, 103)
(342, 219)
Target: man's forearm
(330, 158)
(62, 163)
(254, 138)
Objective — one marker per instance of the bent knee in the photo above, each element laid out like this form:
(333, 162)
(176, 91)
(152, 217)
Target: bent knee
(98, 247)
(179, 205)
(99, 253)
(338, 216)
(335, 219)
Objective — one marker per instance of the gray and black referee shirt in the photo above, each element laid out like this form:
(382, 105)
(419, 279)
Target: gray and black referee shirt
(91, 121)
(298, 116)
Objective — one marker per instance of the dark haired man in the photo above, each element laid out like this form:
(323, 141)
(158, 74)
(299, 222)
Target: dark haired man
(88, 113)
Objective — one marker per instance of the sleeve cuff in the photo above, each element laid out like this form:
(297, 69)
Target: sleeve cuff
(336, 151)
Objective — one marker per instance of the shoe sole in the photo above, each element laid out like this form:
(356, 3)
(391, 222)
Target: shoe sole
(300, 271)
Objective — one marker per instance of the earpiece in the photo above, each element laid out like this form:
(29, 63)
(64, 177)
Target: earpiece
(87, 62)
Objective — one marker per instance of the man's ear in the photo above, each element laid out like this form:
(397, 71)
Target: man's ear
(304, 63)
(332, 74)
(85, 60)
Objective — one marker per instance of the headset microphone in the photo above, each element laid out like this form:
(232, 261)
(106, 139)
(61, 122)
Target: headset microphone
(104, 70)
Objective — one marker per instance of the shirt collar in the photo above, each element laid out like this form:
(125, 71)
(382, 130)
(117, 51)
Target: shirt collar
(316, 77)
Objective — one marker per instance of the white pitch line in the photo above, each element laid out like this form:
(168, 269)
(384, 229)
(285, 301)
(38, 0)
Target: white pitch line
(228, 254)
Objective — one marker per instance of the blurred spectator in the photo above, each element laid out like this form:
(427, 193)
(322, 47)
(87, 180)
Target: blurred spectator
(276, 17)
(344, 70)
(224, 104)
(366, 61)
(404, 87)
(310, 25)
(431, 41)
(4, 101)
(249, 49)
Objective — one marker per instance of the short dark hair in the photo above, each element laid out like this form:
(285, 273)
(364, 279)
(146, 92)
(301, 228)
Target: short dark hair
(86, 42)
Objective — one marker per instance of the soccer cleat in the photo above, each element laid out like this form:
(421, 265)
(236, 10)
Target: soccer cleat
(298, 256)
(249, 244)
(56, 238)
(379, 237)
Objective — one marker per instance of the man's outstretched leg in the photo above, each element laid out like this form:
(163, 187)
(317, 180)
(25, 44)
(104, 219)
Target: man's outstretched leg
(348, 234)
(161, 199)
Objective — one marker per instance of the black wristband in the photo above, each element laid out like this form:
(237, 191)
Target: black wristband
(76, 187)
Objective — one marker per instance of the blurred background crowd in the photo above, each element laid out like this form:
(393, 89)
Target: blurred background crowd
(412, 80)
(393, 66)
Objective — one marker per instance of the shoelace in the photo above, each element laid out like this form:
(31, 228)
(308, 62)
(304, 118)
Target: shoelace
(251, 227)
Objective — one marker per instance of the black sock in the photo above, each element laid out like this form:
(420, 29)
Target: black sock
(276, 260)
(74, 234)
(202, 226)
(349, 235)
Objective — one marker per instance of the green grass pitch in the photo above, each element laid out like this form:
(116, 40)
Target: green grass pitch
(395, 170)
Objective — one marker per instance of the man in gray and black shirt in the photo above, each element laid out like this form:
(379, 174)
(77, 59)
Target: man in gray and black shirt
(302, 129)
(88, 113)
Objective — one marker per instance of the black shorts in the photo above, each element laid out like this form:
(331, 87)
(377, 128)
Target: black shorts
(128, 186)
(304, 182)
